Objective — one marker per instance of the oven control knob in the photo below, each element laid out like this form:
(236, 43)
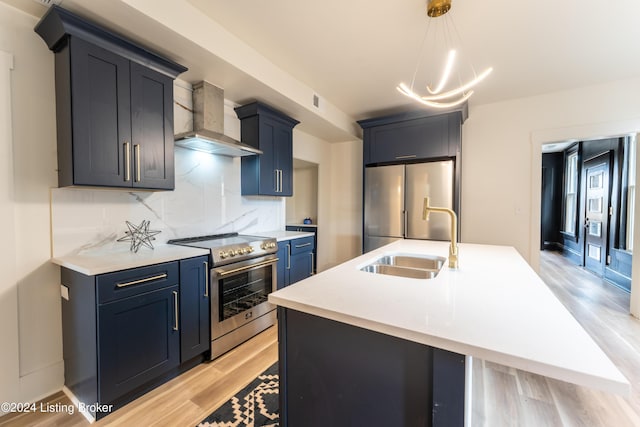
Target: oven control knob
(223, 254)
(272, 245)
(233, 252)
(249, 249)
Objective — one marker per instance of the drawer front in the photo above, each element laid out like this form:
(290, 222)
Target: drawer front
(304, 244)
(135, 281)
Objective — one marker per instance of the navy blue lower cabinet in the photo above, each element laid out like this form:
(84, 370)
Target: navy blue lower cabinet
(124, 333)
(139, 340)
(295, 260)
(308, 229)
(334, 374)
(301, 266)
(284, 264)
(302, 256)
(194, 308)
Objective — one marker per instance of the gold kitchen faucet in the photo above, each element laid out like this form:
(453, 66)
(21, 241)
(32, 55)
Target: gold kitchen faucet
(453, 248)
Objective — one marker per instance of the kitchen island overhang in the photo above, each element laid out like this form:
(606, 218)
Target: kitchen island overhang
(494, 307)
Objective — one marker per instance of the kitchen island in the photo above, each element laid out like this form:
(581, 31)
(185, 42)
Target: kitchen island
(358, 348)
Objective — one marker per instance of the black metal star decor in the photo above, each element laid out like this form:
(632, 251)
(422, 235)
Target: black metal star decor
(139, 235)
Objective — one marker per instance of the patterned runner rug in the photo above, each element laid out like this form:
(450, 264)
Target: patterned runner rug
(254, 406)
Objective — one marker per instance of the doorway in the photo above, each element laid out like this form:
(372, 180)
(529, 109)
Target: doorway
(587, 191)
(596, 213)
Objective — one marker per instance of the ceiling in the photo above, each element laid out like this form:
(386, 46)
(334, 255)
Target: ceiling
(354, 53)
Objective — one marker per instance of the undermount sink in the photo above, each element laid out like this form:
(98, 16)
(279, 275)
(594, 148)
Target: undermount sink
(411, 266)
(425, 262)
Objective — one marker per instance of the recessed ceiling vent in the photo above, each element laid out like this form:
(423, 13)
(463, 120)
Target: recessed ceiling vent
(49, 3)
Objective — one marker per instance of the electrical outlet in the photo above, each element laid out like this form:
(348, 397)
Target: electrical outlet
(64, 292)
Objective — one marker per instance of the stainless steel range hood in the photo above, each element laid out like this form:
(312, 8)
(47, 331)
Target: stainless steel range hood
(208, 125)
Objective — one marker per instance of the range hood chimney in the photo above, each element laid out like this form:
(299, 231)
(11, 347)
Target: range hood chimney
(208, 125)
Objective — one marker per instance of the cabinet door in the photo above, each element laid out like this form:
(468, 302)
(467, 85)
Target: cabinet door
(269, 174)
(422, 138)
(284, 262)
(284, 159)
(152, 128)
(194, 307)
(101, 120)
(301, 266)
(138, 340)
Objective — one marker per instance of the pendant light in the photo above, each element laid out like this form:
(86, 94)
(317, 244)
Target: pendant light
(439, 91)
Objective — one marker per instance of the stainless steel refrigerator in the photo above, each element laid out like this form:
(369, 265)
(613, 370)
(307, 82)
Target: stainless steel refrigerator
(393, 202)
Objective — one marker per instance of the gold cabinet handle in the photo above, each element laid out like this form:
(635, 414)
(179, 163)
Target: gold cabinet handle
(145, 280)
(303, 245)
(288, 256)
(312, 262)
(137, 155)
(175, 309)
(411, 156)
(206, 279)
(127, 161)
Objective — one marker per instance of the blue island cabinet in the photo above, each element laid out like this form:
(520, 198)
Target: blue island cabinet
(339, 375)
(122, 331)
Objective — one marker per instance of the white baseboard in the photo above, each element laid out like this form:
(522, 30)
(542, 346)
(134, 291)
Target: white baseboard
(76, 402)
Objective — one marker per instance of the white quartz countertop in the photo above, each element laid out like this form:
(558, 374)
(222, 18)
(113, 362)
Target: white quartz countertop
(494, 307)
(282, 235)
(99, 261)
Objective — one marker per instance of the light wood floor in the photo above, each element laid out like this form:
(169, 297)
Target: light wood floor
(508, 397)
(502, 396)
(183, 401)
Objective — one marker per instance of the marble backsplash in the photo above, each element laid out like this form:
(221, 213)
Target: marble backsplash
(206, 200)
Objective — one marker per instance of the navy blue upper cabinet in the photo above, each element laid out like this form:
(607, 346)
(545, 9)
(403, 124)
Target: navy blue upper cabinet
(412, 136)
(270, 173)
(114, 106)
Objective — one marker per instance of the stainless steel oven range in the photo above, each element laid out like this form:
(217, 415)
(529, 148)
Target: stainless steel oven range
(243, 273)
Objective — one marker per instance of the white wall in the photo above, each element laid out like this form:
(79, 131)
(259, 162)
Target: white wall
(31, 350)
(346, 191)
(339, 195)
(501, 167)
(304, 202)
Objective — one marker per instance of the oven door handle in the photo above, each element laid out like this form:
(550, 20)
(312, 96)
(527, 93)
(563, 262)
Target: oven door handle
(222, 273)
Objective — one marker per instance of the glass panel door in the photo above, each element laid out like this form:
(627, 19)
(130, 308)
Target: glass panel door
(244, 290)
